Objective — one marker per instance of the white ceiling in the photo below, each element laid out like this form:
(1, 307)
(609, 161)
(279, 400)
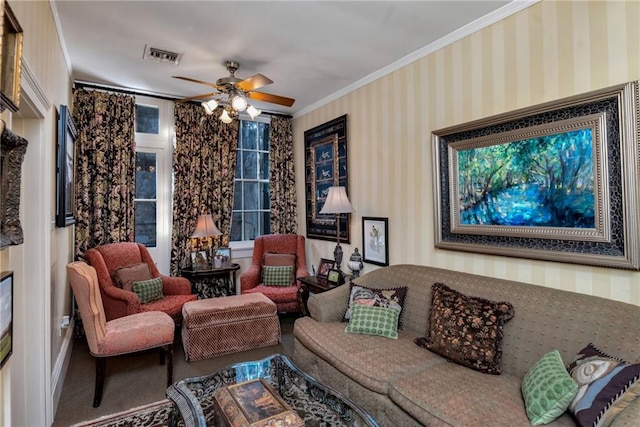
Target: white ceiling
(310, 49)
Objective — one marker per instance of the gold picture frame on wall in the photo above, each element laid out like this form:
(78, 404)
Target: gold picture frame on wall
(10, 58)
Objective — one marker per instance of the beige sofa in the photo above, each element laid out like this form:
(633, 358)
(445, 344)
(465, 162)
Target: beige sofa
(402, 384)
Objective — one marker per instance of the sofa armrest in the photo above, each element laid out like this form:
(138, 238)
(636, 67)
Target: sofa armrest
(175, 285)
(329, 306)
(118, 302)
(250, 278)
(629, 415)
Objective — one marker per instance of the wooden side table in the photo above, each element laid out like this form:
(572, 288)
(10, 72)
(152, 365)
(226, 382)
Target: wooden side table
(214, 282)
(311, 284)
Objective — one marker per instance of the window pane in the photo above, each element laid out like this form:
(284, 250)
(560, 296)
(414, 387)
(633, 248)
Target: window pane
(264, 196)
(147, 119)
(266, 223)
(145, 227)
(250, 198)
(264, 165)
(145, 175)
(249, 165)
(249, 135)
(239, 165)
(264, 137)
(236, 227)
(250, 225)
(237, 196)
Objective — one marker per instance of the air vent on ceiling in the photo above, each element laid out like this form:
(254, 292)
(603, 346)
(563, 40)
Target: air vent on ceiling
(161, 55)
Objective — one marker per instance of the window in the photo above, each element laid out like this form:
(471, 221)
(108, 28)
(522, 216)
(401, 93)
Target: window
(251, 206)
(146, 200)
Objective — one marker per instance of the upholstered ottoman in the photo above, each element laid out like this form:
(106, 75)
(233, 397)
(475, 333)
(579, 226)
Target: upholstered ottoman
(216, 326)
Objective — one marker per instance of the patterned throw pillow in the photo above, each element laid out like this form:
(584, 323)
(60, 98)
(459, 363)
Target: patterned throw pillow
(547, 389)
(148, 290)
(276, 276)
(374, 321)
(276, 259)
(388, 298)
(466, 330)
(606, 385)
(126, 276)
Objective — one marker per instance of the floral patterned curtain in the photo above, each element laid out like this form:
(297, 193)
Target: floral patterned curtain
(204, 166)
(283, 179)
(105, 168)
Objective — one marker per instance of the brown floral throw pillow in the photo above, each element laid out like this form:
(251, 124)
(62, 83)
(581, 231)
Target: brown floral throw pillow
(466, 330)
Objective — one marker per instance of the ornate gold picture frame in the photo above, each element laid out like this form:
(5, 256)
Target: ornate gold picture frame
(10, 58)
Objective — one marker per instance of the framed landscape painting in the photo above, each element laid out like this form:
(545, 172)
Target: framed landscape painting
(557, 181)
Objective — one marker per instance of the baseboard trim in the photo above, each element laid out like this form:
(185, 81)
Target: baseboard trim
(61, 366)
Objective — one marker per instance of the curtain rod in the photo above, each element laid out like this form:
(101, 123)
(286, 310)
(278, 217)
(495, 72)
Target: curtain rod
(86, 85)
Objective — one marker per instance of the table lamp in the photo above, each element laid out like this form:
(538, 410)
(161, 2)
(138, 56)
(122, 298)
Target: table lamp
(205, 228)
(337, 203)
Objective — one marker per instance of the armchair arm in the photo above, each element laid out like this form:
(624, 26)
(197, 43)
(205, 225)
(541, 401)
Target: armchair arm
(250, 278)
(329, 306)
(175, 285)
(301, 272)
(118, 302)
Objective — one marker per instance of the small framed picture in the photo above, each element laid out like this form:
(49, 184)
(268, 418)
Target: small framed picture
(222, 258)
(333, 277)
(324, 267)
(375, 240)
(199, 260)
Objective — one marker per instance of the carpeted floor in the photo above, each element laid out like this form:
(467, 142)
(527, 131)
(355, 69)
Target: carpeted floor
(136, 380)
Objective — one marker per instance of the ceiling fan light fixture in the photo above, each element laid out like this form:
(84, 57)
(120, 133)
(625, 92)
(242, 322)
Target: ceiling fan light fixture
(225, 118)
(253, 112)
(210, 105)
(239, 103)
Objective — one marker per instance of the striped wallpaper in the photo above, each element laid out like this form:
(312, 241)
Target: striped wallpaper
(548, 51)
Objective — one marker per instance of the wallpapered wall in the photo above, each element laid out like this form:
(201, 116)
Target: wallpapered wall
(548, 51)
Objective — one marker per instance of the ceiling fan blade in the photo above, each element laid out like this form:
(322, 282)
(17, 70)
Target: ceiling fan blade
(189, 79)
(204, 95)
(274, 99)
(254, 82)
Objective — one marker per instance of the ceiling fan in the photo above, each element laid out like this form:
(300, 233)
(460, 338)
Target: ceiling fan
(232, 94)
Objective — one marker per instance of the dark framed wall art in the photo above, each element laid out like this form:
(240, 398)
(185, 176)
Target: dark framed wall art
(557, 182)
(13, 148)
(375, 240)
(325, 166)
(65, 197)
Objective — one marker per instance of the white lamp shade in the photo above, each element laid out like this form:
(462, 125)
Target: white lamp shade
(239, 103)
(205, 227)
(337, 202)
(225, 117)
(210, 105)
(253, 112)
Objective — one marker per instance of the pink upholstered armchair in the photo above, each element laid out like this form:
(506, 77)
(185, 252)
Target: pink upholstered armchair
(285, 297)
(118, 302)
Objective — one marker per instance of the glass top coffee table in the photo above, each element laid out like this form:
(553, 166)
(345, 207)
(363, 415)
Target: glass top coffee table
(317, 404)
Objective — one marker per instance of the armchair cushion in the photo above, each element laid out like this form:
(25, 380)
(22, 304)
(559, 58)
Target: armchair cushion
(126, 276)
(148, 290)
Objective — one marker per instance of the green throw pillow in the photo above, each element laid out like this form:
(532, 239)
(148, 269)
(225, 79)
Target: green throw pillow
(148, 290)
(547, 389)
(277, 275)
(373, 321)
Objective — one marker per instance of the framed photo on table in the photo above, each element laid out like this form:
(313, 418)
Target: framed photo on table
(375, 240)
(199, 260)
(333, 277)
(324, 267)
(222, 258)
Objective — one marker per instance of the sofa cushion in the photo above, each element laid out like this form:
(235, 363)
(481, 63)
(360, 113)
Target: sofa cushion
(547, 389)
(362, 357)
(373, 321)
(148, 290)
(606, 385)
(466, 330)
(277, 275)
(278, 260)
(388, 298)
(126, 276)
